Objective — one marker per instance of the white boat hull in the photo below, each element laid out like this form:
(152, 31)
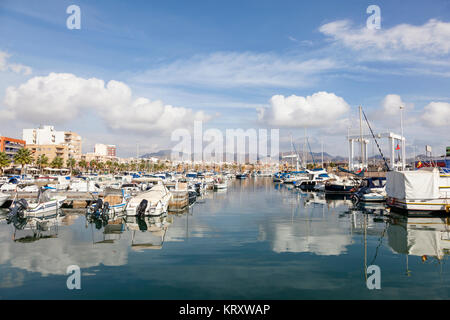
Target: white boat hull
(220, 186)
(45, 209)
(419, 205)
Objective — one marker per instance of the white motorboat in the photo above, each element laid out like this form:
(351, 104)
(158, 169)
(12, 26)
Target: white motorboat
(219, 185)
(153, 202)
(9, 187)
(113, 203)
(46, 205)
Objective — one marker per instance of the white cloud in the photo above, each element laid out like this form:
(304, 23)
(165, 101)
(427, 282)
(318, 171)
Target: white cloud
(431, 38)
(319, 109)
(437, 114)
(391, 104)
(232, 69)
(60, 97)
(14, 67)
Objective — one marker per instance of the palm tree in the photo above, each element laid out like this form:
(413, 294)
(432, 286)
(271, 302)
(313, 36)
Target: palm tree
(100, 166)
(23, 157)
(71, 162)
(142, 165)
(82, 164)
(116, 166)
(4, 161)
(109, 165)
(57, 162)
(92, 164)
(41, 161)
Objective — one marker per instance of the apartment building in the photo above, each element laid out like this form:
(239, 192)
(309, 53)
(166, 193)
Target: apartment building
(51, 151)
(105, 150)
(10, 146)
(73, 142)
(47, 135)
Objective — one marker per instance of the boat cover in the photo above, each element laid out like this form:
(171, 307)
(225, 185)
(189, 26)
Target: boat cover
(418, 184)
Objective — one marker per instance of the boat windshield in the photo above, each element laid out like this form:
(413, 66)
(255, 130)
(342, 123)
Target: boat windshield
(43, 195)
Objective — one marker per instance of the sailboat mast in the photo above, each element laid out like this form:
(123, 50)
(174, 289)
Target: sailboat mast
(305, 155)
(322, 153)
(361, 137)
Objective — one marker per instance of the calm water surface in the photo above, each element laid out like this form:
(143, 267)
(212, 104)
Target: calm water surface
(257, 240)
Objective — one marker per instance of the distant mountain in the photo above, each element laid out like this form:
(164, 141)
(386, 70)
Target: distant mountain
(161, 154)
(318, 156)
(166, 155)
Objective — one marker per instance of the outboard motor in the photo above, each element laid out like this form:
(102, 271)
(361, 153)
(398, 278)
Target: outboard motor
(105, 211)
(18, 210)
(140, 211)
(98, 207)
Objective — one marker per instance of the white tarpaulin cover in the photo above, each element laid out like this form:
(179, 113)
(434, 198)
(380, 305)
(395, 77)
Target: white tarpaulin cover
(418, 184)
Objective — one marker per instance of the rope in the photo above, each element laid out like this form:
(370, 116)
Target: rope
(310, 151)
(373, 135)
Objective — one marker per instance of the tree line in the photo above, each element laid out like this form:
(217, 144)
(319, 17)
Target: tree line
(24, 157)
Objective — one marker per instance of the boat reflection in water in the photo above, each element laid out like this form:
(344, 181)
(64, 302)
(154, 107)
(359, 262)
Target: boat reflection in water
(34, 229)
(424, 237)
(147, 233)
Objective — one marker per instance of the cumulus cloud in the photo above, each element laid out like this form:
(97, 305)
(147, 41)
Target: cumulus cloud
(233, 69)
(437, 114)
(431, 38)
(391, 104)
(60, 97)
(319, 109)
(14, 67)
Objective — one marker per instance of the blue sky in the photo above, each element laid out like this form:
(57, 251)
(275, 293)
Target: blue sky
(224, 61)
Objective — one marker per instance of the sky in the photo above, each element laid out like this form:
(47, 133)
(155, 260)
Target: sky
(136, 71)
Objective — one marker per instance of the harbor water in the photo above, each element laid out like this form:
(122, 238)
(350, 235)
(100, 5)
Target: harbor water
(255, 240)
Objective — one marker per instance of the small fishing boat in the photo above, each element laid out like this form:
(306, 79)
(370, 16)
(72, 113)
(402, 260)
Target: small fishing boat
(114, 202)
(153, 202)
(368, 195)
(44, 206)
(341, 186)
(372, 190)
(219, 185)
(315, 177)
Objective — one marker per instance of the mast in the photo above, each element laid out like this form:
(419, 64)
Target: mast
(305, 155)
(361, 138)
(403, 140)
(292, 153)
(322, 153)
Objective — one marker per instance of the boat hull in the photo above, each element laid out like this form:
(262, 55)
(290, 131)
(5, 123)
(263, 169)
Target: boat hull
(422, 205)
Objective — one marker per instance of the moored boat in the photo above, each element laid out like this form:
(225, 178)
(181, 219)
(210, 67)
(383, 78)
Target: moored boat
(426, 190)
(153, 202)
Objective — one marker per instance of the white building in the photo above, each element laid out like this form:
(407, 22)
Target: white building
(43, 135)
(47, 135)
(105, 150)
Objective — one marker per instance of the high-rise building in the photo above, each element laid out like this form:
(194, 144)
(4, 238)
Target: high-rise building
(10, 146)
(73, 142)
(47, 135)
(105, 150)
